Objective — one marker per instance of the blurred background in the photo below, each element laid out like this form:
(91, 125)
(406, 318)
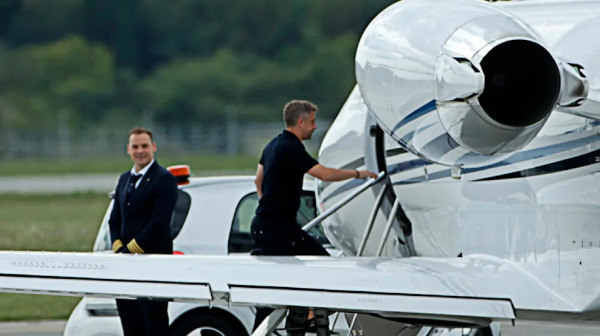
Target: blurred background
(209, 77)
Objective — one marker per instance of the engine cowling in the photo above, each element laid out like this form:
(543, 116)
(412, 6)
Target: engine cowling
(575, 46)
(460, 83)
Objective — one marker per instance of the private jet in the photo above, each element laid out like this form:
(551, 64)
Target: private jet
(483, 121)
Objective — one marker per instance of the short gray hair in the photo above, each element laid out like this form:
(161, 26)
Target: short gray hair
(294, 109)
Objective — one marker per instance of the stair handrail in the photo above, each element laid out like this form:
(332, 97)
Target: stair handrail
(369, 183)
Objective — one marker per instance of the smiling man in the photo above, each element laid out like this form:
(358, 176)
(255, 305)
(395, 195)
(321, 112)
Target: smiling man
(140, 223)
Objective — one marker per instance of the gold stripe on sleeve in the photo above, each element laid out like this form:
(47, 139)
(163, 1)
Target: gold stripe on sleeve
(117, 244)
(134, 247)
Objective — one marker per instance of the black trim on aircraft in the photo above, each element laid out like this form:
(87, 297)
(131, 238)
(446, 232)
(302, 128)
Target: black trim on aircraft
(571, 163)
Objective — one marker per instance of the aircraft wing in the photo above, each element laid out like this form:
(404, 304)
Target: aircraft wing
(470, 289)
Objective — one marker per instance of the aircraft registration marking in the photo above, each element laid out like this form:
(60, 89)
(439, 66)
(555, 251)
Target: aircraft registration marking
(590, 243)
(61, 265)
(370, 300)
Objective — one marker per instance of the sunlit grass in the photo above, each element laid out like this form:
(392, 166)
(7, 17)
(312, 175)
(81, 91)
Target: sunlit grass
(51, 223)
(20, 307)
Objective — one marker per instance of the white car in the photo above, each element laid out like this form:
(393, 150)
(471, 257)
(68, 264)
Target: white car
(212, 216)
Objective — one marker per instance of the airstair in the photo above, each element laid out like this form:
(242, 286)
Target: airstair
(271, 325)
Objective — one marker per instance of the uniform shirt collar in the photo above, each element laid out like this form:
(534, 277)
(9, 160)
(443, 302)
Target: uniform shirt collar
(143, 171)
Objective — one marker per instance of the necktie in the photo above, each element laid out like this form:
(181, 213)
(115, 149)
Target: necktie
(131, 184)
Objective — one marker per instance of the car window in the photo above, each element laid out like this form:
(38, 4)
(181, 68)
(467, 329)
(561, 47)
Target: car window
(182, 208)
(308, 212)
(240, 239)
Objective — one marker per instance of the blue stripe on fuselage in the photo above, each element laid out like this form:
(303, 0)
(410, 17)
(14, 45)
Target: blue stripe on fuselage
(515, 158)
(421, 111)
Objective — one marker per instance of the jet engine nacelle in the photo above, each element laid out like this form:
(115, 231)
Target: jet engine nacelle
(460, 83)
(578, 45)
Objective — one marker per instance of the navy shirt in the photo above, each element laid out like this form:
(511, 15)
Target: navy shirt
(285, 161)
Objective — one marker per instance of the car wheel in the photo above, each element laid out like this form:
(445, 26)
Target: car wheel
(202, 325)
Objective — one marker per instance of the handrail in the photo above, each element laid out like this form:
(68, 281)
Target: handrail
(343, 201)
(388, 227)
(269, 324)
(367, 233)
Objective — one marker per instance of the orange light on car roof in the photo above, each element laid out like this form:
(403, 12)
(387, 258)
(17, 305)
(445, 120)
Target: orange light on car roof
(181, 173)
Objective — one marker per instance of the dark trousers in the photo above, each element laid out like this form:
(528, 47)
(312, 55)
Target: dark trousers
(280, 238)
(273, 238)
(143, 317)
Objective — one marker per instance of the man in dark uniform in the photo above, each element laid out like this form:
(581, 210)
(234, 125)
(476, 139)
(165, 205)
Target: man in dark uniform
(140, 223)
(279, 177)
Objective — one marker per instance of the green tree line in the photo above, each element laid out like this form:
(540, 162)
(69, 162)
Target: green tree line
(103, 62)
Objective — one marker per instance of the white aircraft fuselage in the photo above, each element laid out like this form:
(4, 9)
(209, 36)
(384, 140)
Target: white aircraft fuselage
(486, 119)
(469, 182)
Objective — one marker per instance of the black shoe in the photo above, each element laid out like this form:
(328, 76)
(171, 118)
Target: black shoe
(294, 331)
(310, 326)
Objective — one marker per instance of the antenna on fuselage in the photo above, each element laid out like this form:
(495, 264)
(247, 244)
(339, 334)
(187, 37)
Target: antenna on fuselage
(456, 173)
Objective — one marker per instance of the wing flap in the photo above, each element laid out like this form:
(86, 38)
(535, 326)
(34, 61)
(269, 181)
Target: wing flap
(375, 303)
(105, 288)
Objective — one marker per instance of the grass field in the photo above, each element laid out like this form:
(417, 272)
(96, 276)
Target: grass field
(51, 223)
(198, 164)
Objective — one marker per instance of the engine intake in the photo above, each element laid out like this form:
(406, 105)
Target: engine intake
(522, 83)
(460, 83)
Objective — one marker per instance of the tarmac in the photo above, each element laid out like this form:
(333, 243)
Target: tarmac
(56, 328)
(58, 184)
(63, 184)
(33, 328)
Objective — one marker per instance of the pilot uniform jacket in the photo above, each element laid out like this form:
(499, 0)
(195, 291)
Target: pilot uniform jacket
(142, 222)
